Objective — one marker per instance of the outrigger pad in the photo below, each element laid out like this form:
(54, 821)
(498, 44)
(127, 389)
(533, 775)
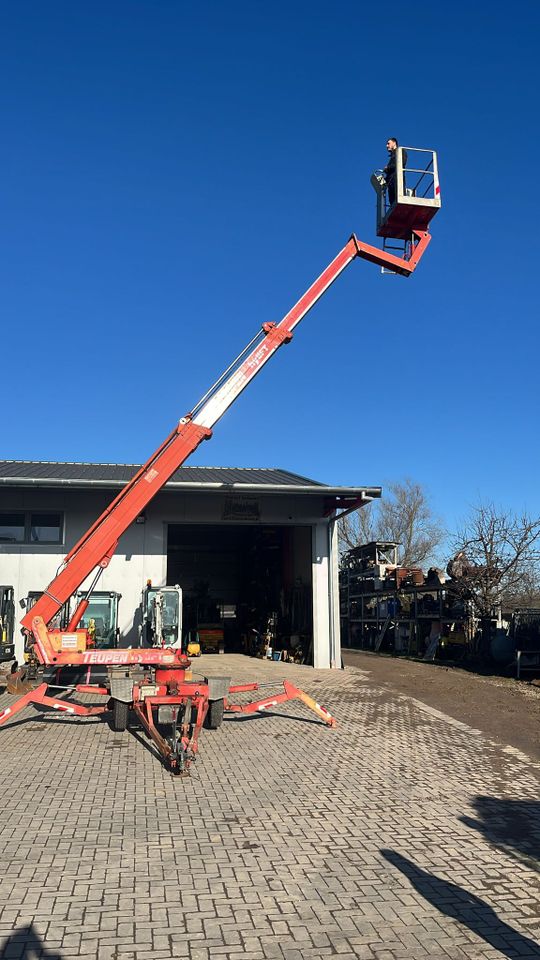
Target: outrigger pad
(218, 687)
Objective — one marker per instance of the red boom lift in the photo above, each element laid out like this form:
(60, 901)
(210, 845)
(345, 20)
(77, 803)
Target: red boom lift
(152, 682)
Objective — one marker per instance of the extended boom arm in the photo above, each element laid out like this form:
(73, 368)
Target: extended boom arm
(95, 549)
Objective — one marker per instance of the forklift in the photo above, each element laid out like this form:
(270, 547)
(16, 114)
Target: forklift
(7, 624)
(206, 620)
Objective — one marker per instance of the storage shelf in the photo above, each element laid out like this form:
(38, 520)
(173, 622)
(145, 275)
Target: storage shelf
(368, 611)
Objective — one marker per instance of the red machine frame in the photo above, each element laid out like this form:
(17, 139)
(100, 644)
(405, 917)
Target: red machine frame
(156, 678)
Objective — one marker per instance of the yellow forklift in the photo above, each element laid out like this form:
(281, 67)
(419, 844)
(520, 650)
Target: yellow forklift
(205, 618)
(7, 624)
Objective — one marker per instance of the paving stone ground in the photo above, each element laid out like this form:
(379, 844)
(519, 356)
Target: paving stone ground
(401, 834)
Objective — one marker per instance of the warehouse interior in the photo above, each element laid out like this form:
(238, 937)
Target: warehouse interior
(245, 586)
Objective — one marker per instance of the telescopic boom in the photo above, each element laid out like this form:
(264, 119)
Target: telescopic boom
(94, 550)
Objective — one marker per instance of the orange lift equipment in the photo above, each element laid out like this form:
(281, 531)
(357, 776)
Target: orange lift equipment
(417, 200)
(152, 682)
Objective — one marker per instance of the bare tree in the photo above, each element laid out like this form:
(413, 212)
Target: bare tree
(404, 516)
(357, 527)
(496, 558)
(527, 593)
(407, 518)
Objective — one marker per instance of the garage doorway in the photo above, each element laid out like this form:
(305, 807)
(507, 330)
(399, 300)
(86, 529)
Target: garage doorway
(245, 587)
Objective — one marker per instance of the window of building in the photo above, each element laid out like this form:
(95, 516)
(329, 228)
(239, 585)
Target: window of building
(46, 527)
(12, 527)
(31, 527)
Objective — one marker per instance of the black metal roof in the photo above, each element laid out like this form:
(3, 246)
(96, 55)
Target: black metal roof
(44, 473)
(122, 472)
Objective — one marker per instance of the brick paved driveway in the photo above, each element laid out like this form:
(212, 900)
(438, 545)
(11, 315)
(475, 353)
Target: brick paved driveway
(402, 834)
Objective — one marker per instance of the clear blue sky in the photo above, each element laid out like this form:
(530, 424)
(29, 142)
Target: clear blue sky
(174, 174)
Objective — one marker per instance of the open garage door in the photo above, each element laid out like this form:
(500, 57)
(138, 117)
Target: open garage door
(245, 588)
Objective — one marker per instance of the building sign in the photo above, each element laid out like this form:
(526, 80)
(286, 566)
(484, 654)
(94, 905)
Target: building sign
(241, 508)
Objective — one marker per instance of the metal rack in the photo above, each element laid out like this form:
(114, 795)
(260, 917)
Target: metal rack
(417, 619)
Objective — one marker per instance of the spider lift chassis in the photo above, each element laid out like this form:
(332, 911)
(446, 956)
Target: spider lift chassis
(187, 703)
(152, 682)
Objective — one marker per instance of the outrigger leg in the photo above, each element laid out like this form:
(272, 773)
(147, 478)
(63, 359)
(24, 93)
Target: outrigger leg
(39, 696)
(290, 692)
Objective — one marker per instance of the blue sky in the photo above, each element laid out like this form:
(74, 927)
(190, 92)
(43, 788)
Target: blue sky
(175, 174)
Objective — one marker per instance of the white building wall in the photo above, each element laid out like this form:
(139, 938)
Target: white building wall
(335, 619)
(321, 596)
(142, 551)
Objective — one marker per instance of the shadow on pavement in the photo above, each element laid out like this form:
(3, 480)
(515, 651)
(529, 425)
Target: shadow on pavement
(511, 825)
(243, 717)
(47, 717)
(468, 909)
(26, 943)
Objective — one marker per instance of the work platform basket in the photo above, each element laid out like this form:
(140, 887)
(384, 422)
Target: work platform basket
(415, 194)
